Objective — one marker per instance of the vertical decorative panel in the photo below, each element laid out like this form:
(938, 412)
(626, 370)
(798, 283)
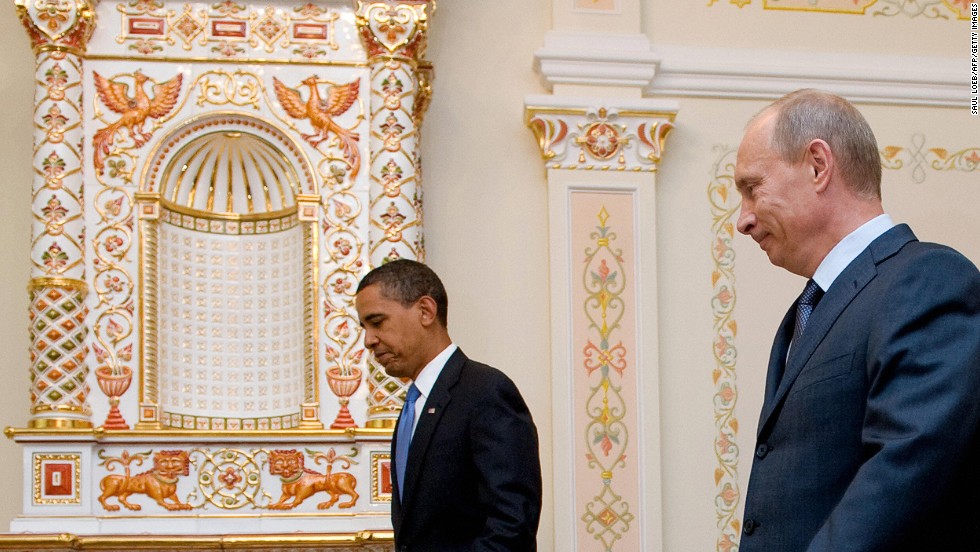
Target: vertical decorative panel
(605, 378)
(724, 201)
(601, 162)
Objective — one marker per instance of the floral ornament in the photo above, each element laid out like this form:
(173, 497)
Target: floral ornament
(54, 212)
(391, 176)
(55, 122)
(393, 221)
(392, 130)
(230, 478)
(54, 258)
(56, 78)
(392, 87)
(228, 7)
(53, 167)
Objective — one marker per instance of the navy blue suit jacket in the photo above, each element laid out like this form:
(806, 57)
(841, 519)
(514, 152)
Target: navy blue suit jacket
(473, 478)
(871, 441)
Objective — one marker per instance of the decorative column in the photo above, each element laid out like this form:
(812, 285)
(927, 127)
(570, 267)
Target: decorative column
(602, 143)
(601, 159)
(394, 34)
(148, 213)
(59, 31)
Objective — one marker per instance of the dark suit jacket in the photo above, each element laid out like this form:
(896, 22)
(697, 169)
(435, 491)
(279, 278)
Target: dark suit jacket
(870, 442)
(473, 478)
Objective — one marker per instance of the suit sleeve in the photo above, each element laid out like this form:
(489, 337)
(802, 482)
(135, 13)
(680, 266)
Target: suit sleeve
(505, 451)
(922, 415)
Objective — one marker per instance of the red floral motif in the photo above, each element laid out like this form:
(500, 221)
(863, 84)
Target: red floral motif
(602, 140)
(230, 478)
(390, 27)
(54, 212)
(114, 283)
(53, 167)
(54, 258)
(343, 246)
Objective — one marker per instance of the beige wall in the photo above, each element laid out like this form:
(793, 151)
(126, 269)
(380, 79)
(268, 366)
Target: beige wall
(486, 215)
(17, 93)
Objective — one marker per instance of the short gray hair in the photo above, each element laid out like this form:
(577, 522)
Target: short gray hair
(807, 115)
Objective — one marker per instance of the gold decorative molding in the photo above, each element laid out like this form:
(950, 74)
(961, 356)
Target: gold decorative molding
(930, 9)
(395, 30)
(367, 541)
(600, 138)
(64, 25)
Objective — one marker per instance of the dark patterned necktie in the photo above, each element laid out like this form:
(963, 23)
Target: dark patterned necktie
(808, 301)
(405, 423)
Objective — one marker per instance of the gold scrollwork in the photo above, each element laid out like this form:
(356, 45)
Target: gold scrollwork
(220, 87)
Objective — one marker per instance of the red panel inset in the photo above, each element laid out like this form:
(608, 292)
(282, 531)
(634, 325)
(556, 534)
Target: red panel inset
(146, 26)
(58, 478)
(234, 29)
(310, 30)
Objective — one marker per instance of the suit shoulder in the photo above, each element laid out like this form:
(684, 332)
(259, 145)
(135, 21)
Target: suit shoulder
(939, 253)
(480, 373)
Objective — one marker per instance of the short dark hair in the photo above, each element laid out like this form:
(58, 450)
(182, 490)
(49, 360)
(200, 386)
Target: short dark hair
(407, 281)
(809, 114)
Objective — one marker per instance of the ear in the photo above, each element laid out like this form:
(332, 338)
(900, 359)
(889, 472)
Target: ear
(427, 310)
(821, 162)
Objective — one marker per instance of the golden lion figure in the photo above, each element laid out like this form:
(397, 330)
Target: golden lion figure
(158, 483)
(300, 483)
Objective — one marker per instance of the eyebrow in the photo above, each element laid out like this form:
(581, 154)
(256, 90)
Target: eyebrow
(741, 183)
(372, 318)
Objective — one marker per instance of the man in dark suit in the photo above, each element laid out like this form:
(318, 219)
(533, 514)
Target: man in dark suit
(869, 438)
(470, 479)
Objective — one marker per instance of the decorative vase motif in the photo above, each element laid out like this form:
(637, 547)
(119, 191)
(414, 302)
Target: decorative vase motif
(343, 385)
(114, 386)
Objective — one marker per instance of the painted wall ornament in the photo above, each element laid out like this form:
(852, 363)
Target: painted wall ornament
(300, 483)
(320, 112)
(600, 138)
(112, 237)
(133, 111)
(158, 483)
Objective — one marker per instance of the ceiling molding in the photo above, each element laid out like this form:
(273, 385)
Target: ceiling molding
(631, 61)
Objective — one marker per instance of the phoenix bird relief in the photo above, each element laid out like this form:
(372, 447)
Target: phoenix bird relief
(320, 113)
(133, 111)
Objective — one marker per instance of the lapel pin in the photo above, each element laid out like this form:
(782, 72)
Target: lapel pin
(431, 411)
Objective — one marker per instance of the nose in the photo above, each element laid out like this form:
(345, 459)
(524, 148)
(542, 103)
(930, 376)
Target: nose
(370, 340)
(746, 218)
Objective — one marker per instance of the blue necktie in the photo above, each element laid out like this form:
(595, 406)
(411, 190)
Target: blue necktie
(808, 301)
(405, 423)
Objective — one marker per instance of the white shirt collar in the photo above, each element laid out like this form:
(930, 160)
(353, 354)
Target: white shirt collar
(428, 376)
(849, 248)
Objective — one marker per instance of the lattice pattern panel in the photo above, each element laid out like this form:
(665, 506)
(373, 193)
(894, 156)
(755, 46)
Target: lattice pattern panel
(231, 328)
(58, 350)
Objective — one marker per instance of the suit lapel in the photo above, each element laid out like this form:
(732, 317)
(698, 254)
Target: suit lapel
(845, 288)
(435, 406)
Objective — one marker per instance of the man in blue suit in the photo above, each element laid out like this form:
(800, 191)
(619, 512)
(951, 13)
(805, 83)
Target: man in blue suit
(869, 438)
(467, 475)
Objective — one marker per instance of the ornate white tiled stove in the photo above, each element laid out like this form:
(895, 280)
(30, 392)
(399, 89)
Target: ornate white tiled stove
(210, 182)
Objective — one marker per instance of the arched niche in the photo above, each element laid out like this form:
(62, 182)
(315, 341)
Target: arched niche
(228, 207)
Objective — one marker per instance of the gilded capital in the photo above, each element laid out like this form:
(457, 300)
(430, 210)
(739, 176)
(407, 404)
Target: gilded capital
(395, 29)
(58, 24)
(600, 138)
